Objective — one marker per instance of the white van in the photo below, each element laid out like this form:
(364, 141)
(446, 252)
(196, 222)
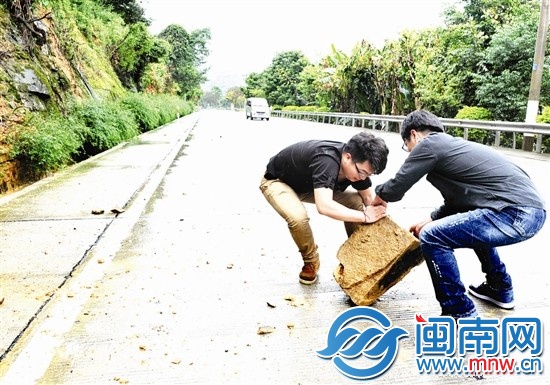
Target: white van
(257, 108)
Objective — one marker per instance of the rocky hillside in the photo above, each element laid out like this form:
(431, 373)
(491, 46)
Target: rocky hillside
(46, 63)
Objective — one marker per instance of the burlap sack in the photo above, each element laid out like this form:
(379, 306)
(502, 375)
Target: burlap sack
(375, 258)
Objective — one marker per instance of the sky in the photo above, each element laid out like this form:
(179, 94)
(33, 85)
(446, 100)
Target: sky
(247, 34)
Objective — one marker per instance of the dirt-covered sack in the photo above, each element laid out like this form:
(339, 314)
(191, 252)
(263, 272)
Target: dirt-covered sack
(374, 258)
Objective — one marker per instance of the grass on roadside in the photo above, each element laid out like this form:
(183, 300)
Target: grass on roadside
(46, 143)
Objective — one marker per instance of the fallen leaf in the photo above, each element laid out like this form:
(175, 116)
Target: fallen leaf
(296, 301)
(265, 330)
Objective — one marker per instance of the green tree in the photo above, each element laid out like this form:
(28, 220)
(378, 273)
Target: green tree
(438, 71)
(255, 85)
(503, 82)
(369, 77)
(130, 11)
(456, 59)
(386, 89)
(466, 40)
(235, 96)
(312, 86)
(338, 79)
(135, 52)
(487, 15)
(212, 98)
(282, 78)
(340, 87)
(188, 54)
(354, 79)
(153, 73)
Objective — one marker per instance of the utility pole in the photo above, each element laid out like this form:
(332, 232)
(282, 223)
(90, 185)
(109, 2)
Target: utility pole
(536, 74)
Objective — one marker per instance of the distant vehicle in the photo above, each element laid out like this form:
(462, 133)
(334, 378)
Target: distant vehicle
(257, 108)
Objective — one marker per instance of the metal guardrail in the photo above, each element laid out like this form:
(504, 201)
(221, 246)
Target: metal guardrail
(381, 122)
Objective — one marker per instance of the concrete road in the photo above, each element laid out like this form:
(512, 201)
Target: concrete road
(180, 286)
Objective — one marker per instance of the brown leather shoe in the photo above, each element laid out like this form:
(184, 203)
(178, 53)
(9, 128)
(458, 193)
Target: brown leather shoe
(308, 275)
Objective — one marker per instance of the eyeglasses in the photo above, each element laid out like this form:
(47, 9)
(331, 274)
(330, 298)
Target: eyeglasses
(404, 147)
(362, 174)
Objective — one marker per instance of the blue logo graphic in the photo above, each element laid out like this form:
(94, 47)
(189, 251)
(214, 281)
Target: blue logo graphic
(378, 343)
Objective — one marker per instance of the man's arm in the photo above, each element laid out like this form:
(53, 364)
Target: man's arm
(367, 196)
(420, 162)
(332, 209)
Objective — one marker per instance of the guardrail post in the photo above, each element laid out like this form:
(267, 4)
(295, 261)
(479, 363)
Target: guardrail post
(497, 138)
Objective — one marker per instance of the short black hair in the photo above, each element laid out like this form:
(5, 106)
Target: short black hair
(420, 120)
(366, 146)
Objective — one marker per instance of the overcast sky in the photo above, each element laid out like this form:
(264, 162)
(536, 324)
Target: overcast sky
(247, 34)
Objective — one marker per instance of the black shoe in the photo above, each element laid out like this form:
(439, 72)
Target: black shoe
(502, 298)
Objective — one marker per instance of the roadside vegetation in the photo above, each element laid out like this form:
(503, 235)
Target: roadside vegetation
(97, 78)
(482, 57)
(47, 143)
(477, 66)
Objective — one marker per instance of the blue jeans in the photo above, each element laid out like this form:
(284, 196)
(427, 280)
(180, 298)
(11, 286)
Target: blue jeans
(481, 230)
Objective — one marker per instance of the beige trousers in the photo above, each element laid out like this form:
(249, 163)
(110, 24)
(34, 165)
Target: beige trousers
(290, 206)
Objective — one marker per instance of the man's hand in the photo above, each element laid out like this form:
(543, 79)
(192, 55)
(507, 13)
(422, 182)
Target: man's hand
(374, 213)
(416, 228)
(377, 201)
